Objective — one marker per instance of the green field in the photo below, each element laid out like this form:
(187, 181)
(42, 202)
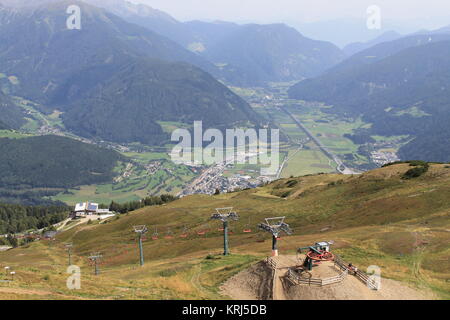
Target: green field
(13, 134)
(306, 161)
(135, 182)
(310, 159)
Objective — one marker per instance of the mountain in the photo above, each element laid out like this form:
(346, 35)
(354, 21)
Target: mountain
(53, 162)
(264, 53)
(49, 52)
(11, 116)
(245, 54)
(406, 93)
(155, 90)
(344, 31)
(148, 17)
(384, 50)
(356, 47)
(71, 69)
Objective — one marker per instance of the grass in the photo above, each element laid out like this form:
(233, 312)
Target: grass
(375, 219)
(168, 178)
(12, 134)
(305, 162)
(328, 128)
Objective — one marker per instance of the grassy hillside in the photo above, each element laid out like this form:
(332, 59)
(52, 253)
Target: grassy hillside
(378, 218)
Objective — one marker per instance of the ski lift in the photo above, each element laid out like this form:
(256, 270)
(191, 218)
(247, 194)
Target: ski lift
(247, 228)
(155, 234)
(204, 231)
(169, 234)
(185, 233)
(260, 237)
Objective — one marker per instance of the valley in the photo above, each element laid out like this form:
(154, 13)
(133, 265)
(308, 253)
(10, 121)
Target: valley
(145, 156)
(316, 144)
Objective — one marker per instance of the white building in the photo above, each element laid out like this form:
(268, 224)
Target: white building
(89, 208)
(86, 208)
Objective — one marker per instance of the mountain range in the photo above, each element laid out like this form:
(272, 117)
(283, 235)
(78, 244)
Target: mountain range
(401, 87)
(356, 47)
(83, 72)
(246, 55)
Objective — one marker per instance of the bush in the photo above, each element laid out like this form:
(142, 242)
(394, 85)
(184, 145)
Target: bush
(291, 183)
(285, 194)
(417, 163)
(419, 169)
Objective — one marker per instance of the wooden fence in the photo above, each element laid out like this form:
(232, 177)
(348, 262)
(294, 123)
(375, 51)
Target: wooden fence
(371, 283)
(297, 280)
(271, 263)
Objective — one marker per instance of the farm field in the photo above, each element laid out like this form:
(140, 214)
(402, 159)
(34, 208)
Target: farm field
(303, 162)
(148, 173)
(310, 159)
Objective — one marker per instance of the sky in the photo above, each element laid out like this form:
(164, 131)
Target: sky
(302, 11)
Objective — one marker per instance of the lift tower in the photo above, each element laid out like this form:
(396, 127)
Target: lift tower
(95, 257)
(225, 215)
(141, 230)
(275, 226)
(69, 247)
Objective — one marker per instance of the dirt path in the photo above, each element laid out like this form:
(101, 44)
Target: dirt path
(283, 263)
(251, 283)
(278, 290)
(195, 280)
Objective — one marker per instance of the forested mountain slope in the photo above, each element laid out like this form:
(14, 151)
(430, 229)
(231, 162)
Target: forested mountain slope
(71, 69)
(407, 92)
(53, 162)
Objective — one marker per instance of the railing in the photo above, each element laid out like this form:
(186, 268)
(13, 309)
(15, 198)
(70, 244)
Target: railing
(372, 284)
(297, 280)
(271, 263)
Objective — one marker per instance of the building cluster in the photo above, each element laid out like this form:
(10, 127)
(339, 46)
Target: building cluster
(87, 208)
(382, 157)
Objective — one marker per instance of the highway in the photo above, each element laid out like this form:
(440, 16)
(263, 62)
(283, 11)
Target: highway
(340, 166)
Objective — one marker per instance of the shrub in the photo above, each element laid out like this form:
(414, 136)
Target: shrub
(291, 183)
(285, 194)
(417, 171)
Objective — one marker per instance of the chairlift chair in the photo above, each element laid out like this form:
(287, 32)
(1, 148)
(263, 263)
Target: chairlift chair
(185, 233)
(247, 228)
(155, 235)
(169, 234)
